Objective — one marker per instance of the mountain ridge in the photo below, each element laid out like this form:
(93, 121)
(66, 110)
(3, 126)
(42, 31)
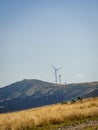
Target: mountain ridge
(30, 93)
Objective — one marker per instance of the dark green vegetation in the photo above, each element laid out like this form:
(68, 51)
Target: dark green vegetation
(73, 122)
(91, 128)
(34, 93)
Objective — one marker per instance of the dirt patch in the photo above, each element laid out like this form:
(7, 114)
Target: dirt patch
(79, 126)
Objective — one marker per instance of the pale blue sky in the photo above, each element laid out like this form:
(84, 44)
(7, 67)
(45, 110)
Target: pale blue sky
(35, 34)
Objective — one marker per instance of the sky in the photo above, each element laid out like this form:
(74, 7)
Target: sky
(36, 34)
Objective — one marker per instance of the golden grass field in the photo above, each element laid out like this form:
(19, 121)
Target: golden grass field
(49, 115)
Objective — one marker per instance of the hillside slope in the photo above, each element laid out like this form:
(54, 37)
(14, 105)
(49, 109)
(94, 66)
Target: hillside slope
(34, 93)
(69, 116)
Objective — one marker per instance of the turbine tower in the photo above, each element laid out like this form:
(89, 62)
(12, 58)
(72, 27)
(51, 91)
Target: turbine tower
(55, 70)
(59, 78)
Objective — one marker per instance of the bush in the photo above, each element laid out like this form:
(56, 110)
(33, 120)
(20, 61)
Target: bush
(62, 103)
(79, 98)
(73, 101)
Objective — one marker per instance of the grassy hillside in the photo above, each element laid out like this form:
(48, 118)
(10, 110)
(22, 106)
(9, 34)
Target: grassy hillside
(51, 116)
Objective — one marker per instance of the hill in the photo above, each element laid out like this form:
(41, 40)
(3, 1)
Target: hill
(30, 93)
(69, 116)
(93, 93)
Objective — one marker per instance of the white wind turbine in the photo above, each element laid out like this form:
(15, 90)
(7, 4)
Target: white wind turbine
(55, 71)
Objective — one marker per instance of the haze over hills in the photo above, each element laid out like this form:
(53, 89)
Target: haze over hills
(30, 93)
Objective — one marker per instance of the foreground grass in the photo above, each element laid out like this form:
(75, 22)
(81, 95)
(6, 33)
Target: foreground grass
(50, 117)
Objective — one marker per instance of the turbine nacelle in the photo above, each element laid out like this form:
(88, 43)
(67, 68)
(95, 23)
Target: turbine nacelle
(56, 68)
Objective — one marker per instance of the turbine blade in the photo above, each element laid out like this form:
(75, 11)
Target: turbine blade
(53, 67)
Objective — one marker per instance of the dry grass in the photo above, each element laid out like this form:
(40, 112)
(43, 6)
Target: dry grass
(53, 114)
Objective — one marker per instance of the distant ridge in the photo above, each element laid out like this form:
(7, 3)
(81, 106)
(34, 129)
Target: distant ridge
(93, 93)
(30, 93)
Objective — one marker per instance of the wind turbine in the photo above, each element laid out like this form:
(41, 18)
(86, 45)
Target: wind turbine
(55, 70)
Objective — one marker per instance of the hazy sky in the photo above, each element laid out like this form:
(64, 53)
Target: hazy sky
(35, 34)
